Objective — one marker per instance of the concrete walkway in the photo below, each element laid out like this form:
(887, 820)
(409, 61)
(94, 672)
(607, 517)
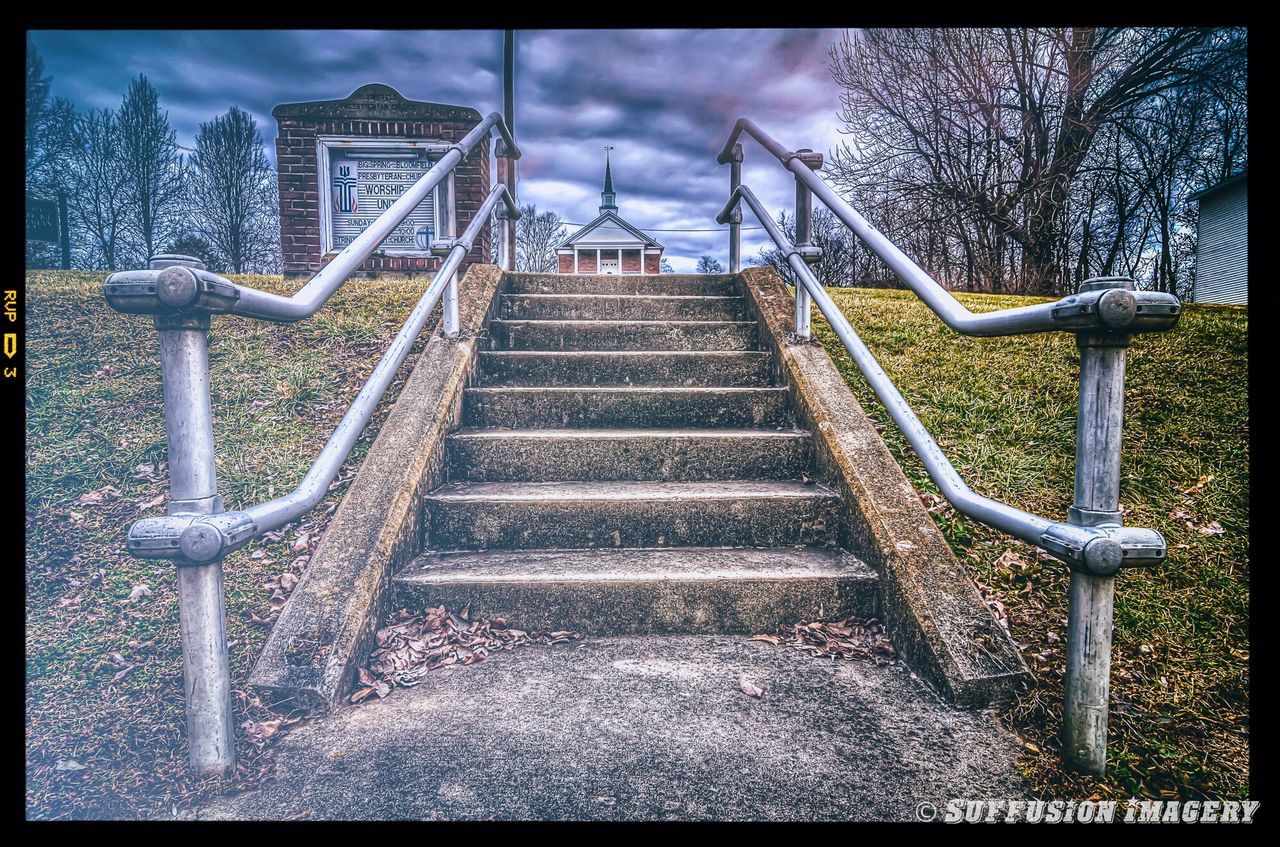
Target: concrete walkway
(640, 728)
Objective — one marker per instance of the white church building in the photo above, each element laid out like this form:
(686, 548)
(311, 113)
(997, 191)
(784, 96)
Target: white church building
(608, 244)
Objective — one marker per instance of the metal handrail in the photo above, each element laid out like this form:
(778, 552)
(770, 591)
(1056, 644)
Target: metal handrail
(133, 291)
(197, 532)
(1075, 312)
(324, 470)
(1066, 541)
(1104, 314)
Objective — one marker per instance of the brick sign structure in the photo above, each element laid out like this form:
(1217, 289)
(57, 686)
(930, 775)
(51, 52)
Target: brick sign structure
(342, 162)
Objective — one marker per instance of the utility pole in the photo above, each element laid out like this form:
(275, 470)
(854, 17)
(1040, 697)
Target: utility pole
(507, 167)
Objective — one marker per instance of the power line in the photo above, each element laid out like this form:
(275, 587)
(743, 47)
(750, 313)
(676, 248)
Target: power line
(646, 229)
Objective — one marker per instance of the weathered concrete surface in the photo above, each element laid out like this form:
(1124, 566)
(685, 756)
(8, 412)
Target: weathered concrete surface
(531, 515)
(681, 285)
(616, 592)
(639, 729)
(621, 307)
(325, 629)
(638, 367)
(507, 407)
(623, 335)
(672, 455)
(937, 618)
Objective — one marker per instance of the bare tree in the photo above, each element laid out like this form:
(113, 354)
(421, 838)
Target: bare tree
(836, 267)
(49, 142)
(709, 265)
(984, 135)
(537, 236)
(233, 192)
(154, 168)
(49, 136)
(98, 199)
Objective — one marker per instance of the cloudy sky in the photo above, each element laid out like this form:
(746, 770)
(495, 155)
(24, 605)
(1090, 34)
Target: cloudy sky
(665, 99)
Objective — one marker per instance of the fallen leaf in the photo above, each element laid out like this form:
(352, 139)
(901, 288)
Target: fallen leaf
(120, 673)
(362, 694)
(259, 732)
(771, 639)
(1200, 484)
(99, 496)
(158, 500)
(138, 592)
(68, 765)
(749, 688)
(1214, 528)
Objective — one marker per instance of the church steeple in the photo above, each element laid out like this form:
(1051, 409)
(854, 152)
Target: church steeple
(607, 196)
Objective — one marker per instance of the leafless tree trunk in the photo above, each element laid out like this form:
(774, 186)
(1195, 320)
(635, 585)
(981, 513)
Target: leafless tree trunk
(994, 132)
(154, 168)
(537, 236)
(233, 191)
(98, 199)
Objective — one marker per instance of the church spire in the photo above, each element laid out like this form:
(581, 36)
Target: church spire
(607, 196)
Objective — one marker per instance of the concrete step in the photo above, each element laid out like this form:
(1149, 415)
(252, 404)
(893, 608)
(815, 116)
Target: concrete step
(687, 368)
(621, 307)
(623, 335)
(625, 592)
(677, 284)
(572, 515)
(601, 455)
(513, 407)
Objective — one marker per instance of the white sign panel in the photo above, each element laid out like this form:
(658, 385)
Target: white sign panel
(363, 181)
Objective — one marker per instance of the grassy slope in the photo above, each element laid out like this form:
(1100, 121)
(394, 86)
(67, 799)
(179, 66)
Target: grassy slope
(95, 419)
(1004, 411)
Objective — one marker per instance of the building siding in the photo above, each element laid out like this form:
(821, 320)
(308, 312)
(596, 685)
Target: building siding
(1222, 247)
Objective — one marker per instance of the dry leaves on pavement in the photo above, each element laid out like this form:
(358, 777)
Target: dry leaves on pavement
(415, 644)
(850, 638)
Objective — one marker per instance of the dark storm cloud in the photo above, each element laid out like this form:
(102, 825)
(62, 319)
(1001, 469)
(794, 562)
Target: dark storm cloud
(664, 99)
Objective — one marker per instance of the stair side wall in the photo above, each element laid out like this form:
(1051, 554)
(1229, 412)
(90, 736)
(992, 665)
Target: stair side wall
(938, 621)
(326, 629)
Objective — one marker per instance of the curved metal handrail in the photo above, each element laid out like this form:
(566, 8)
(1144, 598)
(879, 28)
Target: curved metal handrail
(196, 528)
(1154, 310)
(1104, 314)
(1069, 542)
(134, 291)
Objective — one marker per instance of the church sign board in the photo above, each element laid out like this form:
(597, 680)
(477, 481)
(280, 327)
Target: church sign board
(42, 221)
(343, 162)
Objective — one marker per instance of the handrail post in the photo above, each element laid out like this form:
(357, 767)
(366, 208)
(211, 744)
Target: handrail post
(508, 175)
(735, 221)
(507, 233)
(804, 240)
(1099, 428)
(449, 320)
(193, 489)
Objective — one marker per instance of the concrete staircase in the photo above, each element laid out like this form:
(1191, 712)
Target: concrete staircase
(619, 456)
(628, 464)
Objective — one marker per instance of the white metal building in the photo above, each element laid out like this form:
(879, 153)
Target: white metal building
(1222, 242)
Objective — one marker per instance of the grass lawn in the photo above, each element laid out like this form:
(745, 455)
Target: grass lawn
(1003, 410)
(104, 674)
